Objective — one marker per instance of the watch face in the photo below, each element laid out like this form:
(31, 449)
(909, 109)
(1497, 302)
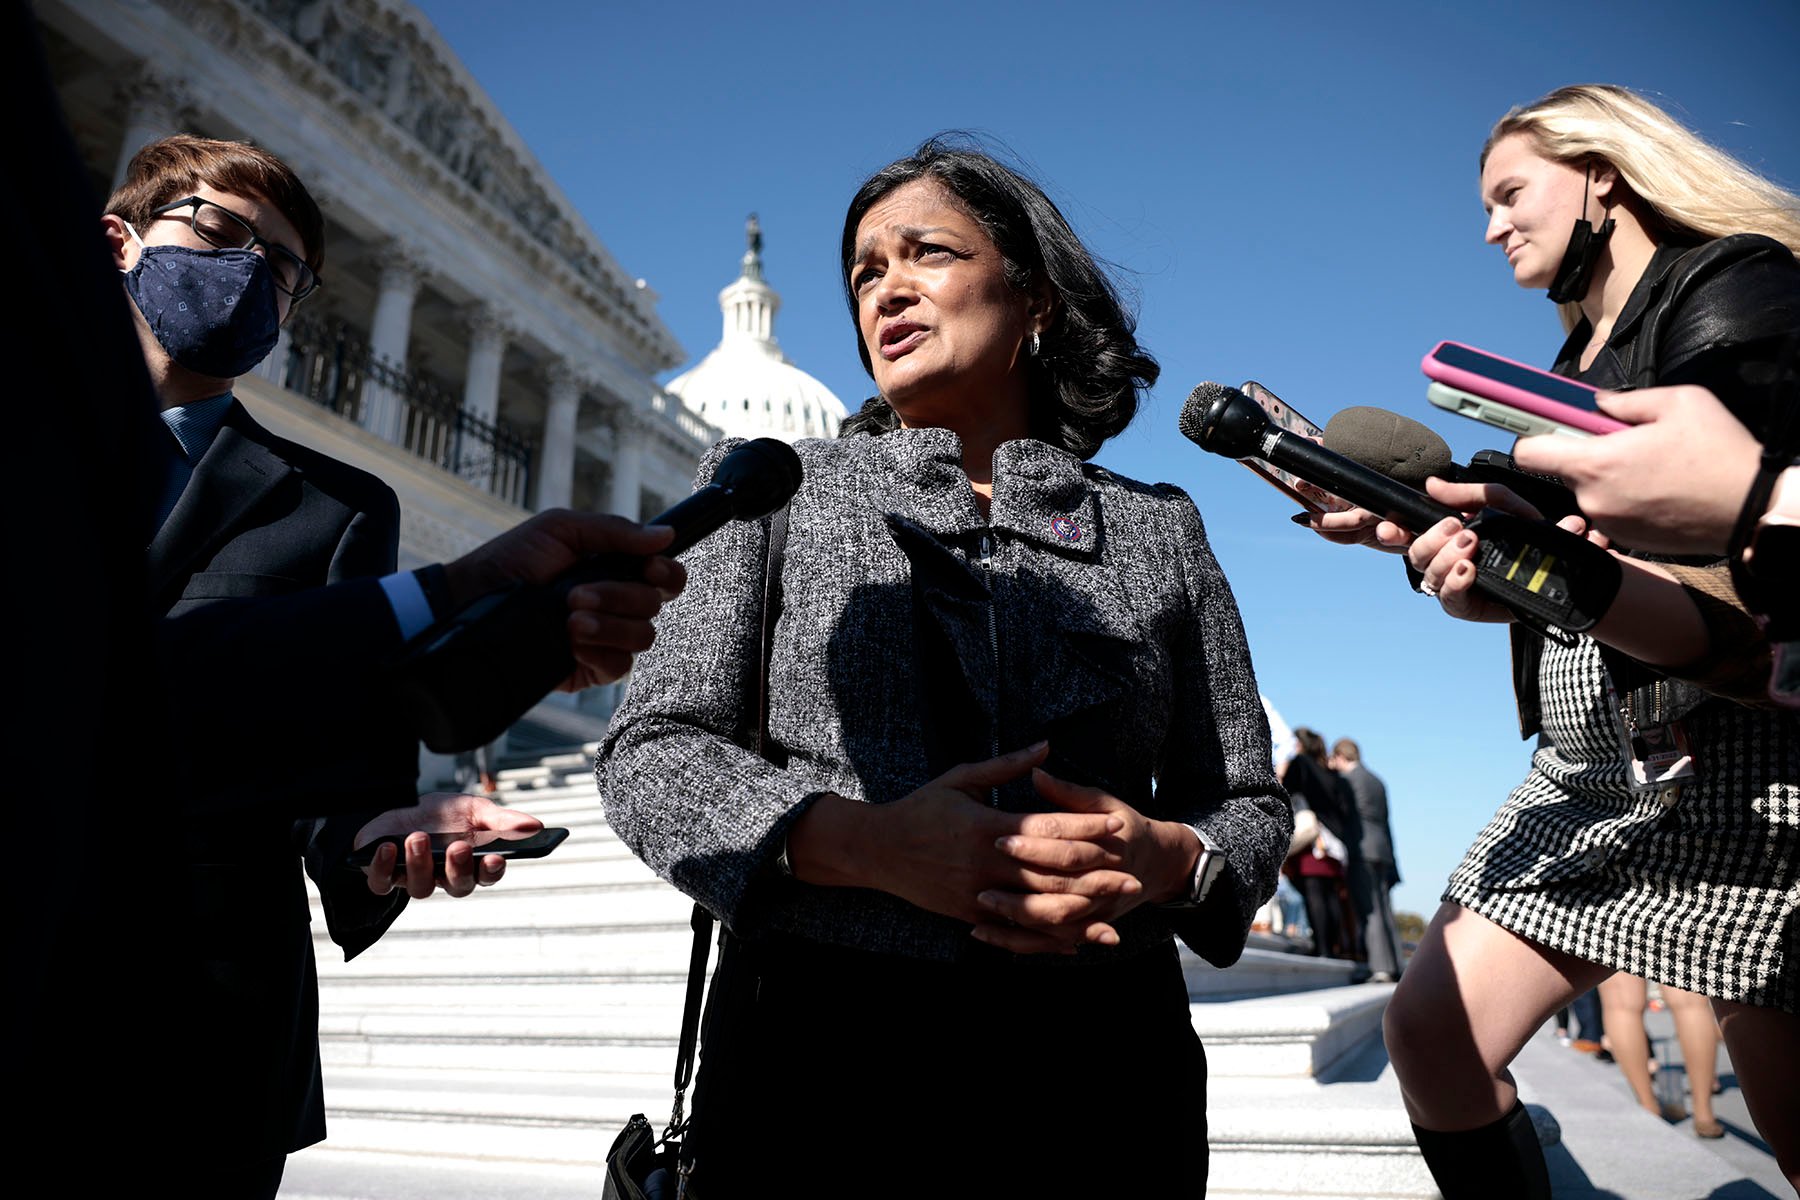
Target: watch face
(1205, 871)
(1769, 582)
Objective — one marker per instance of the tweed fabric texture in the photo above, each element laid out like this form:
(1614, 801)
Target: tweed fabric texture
(1701, 894)
(1086, 609)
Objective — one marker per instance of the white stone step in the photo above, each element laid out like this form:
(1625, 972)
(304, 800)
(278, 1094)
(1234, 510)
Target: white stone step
(499, 911)
(611, 951)
(1289, 1036)
(1267, 1137)
(619, 1028)
(579, 994)
(524, 782)
(528, 1022)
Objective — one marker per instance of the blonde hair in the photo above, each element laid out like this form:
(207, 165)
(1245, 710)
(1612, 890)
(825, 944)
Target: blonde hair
(1691, 187)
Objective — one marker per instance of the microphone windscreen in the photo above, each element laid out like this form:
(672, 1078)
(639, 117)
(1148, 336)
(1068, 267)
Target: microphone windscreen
(1398, 447)
(1193, 413)
(763, 475)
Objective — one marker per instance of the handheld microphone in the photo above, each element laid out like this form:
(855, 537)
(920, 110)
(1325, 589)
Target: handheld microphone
(1404, 450)
(465, 679)
(1222, 420)
(1543, 573)
(1398, 447)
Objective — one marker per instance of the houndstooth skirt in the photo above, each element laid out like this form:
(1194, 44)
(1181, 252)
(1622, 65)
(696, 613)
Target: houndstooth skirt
(1699, 892)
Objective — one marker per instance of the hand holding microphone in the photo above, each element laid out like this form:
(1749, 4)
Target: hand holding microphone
(1447, 556)
(1544, 574)
(465, 679)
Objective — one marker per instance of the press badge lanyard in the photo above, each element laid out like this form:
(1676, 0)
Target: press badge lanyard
(1656, 753)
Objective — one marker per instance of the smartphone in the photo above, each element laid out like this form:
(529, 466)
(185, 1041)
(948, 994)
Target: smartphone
(531, 845)
(1510, 395)
(1497, 413)
(1289, 420)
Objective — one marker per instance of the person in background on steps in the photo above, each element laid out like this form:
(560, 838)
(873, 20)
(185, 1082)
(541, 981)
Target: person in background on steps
(1623, 997)
(1372, 886)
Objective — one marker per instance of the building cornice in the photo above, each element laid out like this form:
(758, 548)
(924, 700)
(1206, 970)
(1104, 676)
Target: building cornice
(382, 72)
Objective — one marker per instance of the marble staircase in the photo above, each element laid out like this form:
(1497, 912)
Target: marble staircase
(515, 1031)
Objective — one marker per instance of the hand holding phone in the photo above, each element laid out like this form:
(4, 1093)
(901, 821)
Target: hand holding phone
(1510, 395)
(381, 850)
(483, 842)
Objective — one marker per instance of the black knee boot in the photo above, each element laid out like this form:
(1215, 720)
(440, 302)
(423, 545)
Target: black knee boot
(1501, 1161)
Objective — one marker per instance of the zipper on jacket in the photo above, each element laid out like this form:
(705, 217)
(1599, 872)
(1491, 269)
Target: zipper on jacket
(987, 570)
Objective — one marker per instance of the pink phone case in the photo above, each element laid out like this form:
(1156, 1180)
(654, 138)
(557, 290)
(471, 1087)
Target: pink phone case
(1519, 398)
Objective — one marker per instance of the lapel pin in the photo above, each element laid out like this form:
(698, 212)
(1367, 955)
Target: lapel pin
(1067, 529)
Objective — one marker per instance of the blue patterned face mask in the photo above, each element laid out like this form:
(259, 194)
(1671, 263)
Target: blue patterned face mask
(213, 311)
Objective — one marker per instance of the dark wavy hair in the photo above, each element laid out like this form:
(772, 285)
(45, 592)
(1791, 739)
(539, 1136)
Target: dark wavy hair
(1312, 744)
(1086, 380)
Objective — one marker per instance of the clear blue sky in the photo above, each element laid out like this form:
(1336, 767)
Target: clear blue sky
(1289, 190)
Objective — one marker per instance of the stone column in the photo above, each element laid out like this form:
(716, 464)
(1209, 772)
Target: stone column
(627, 465)
(323, 186)
(556, 457)
(389, 332)
(488, 336)
(274, 367)
(155, 106)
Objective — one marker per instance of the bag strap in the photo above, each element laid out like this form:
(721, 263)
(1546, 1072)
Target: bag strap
(702, 920)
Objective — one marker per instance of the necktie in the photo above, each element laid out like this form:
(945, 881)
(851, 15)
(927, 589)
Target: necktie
(176, 470)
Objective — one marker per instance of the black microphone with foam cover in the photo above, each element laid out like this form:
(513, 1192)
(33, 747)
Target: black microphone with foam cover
(1396, 446)
(1552, 578)
(467, 678)
(1404, 450)
(1222, 420)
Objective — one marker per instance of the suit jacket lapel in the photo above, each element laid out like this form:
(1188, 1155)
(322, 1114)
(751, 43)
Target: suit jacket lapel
(230, 479)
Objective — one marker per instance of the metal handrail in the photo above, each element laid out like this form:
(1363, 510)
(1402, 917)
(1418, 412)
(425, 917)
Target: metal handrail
(330, 364)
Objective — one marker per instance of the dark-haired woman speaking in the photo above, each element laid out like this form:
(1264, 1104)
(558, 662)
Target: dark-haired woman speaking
(1021, 746)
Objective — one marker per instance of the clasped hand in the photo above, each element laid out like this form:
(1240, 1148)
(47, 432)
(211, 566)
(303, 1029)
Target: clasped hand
(1031, 883)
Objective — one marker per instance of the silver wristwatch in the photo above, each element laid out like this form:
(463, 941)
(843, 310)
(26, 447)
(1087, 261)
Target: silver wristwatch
(1207, 869)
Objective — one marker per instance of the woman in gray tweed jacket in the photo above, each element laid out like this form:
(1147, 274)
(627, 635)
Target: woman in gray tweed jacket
(1015, 746)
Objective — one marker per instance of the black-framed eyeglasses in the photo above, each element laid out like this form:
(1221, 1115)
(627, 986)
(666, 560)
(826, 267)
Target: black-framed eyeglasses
(218, 226)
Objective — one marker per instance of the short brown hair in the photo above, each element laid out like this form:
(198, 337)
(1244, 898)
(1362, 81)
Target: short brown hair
(169, 169)
(1347, 750)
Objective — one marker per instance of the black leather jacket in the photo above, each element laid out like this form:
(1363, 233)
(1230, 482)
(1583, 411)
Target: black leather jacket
(1717, 314)
(1722, 315)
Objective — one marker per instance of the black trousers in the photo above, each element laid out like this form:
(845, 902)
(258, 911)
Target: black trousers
(834, 1072)
(1323, 912)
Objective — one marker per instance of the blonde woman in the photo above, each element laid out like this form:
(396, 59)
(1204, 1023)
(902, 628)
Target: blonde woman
(1671, 263)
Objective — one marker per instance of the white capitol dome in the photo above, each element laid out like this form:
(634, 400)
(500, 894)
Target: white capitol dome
(746, 386)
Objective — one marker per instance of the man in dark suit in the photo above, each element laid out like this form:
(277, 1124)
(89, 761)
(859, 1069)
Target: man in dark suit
(216, 241)
(1381, 937)
(101, 1066)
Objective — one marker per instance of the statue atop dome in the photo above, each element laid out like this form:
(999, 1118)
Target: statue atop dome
(753, 255)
